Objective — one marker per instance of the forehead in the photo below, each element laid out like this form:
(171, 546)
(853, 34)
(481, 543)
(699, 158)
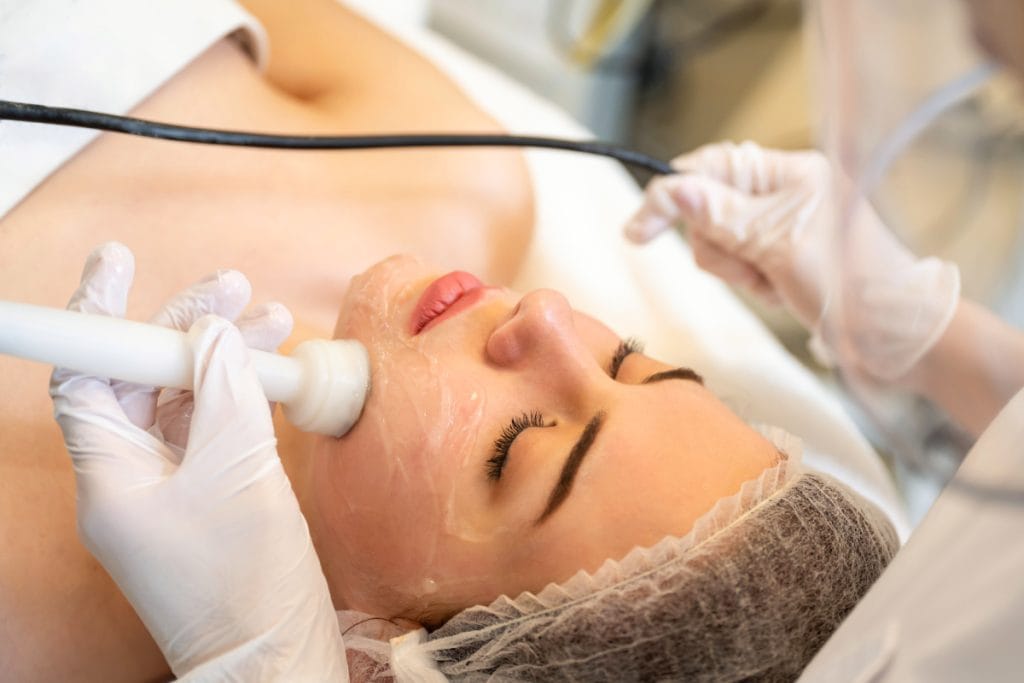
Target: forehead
(666, 455)
(673, 423)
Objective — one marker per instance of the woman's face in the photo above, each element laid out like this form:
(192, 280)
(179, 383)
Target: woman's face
(506, 444)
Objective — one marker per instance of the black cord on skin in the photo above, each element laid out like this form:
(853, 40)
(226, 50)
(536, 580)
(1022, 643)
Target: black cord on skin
(80, 118)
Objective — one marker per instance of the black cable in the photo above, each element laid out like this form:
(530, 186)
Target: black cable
(80, 118)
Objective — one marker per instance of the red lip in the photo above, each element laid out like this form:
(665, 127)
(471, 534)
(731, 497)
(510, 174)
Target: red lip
(446, 295)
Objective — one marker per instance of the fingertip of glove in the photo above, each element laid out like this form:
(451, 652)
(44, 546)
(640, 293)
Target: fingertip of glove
(231, 283)
(106, 279)
(682, 163)
(280, 316)
(223, 292)
(680, 198)
(266, 326)
(113, 251)
(706, 158)
(643, 228)
(113, 257)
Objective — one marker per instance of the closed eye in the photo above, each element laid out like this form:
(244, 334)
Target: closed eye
(626, 347)
(633, 345)
(518, 425)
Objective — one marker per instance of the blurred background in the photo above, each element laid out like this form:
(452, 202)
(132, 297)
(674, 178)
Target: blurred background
(666, 76)
(655, 75)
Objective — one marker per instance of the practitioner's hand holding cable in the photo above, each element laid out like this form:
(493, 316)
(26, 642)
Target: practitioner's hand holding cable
(187, 505)
(763, 219)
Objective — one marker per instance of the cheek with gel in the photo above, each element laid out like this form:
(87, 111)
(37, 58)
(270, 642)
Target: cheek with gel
(393, 487)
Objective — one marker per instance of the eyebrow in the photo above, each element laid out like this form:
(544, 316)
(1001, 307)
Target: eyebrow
(572, 465)
(582, 446)
(674, 373)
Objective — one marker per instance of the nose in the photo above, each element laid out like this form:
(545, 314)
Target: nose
(541, 337)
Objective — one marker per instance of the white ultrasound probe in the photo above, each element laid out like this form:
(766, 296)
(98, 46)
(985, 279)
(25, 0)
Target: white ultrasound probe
(322, 385)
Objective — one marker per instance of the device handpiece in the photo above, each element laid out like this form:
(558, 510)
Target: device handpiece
(322, 385)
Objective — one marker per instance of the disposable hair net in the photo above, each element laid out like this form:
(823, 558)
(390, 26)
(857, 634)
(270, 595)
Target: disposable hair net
(752, 591)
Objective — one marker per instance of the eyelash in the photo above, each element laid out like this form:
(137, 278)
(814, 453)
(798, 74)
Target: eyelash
(626, 347)
(496, 463)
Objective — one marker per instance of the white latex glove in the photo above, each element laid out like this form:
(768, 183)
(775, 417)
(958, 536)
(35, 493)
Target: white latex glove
(764, 220)
(205, 539)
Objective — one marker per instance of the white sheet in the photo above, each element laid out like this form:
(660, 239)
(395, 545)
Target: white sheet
(656, 292)
(65, 53)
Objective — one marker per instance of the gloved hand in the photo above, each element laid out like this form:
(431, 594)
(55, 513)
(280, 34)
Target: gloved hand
(203, 536)
(764, 220)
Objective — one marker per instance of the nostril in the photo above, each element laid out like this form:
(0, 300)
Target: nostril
(510, 339)
(504, 346)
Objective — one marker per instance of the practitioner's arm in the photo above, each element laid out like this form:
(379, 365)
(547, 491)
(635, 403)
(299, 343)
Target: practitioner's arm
(974, 369)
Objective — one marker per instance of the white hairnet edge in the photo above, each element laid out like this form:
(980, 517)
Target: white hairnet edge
(408, 656)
